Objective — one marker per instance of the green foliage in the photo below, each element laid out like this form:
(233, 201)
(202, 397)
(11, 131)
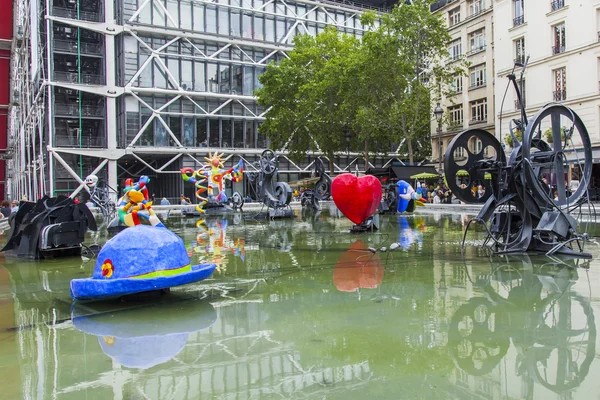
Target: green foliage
(548, 134)
(374, 93)
(508, 138)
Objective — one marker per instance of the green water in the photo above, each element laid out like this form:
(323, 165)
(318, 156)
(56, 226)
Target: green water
(301, 309)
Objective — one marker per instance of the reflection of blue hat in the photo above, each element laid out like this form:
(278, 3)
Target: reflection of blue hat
(139, 259)
(148, 336)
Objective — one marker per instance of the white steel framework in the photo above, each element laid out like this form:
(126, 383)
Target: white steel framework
(150, 86)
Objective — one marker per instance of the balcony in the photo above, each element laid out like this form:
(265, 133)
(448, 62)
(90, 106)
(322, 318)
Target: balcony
(475, 85)
(520, 60)
(82, 79)
(558, 49)
(69, 46)
(454, 58)
(478, 120)
(557, 4)
(72, 14)
(74, 110)
(88, 142)
(559, 95)
(476, 50)
(519, 20)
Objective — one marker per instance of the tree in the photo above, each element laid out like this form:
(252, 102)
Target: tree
(304, 93)
(375, 92)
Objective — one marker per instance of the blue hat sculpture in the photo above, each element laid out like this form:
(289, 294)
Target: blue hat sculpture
(139, 259)
(147, 336)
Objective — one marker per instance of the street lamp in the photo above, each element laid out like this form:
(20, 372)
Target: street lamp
(439, 113)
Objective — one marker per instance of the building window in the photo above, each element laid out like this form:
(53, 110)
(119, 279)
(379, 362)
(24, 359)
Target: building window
(456, 84)
(455, 49)
(519, 45)
(560, 38)
(519, 12)
(557, 4)
(477, 74)
(478, 111)
(454, 16)
(476, 7)
(477, 40)
(560, 84)
(456, 116)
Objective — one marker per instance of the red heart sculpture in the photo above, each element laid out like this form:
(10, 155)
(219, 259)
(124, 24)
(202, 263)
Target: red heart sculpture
(357, 268)
(356, 198)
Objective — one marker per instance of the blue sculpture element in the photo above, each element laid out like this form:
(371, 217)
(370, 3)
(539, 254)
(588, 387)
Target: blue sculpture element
(408, 199)
(147, 336)
(407, 235)
(139, 259)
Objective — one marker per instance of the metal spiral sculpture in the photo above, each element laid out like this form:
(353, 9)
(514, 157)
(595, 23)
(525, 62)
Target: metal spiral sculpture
(275, 195)
(321, 191)
(521, 211)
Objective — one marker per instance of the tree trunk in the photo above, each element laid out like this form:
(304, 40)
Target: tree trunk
(366, 156)
(331, 164)
(410, 150)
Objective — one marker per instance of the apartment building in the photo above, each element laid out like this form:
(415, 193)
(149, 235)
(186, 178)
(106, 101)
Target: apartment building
(471, 105)
(562, 40)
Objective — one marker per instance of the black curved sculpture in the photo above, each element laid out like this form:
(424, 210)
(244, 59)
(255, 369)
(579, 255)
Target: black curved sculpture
(527, 204)
(275, 195)
(51, 227)
(321, 191)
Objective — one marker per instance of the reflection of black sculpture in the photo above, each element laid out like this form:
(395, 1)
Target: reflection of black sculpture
(527, 203)
(52, 227)
(275, 195)
(552, 328)
(322, 190)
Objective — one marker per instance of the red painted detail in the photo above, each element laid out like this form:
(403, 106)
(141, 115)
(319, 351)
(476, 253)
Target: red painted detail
(356, 198)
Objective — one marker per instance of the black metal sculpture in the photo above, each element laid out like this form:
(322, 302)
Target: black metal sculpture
(52, 227)
(275, 195)
(522, 211)
(321, 191)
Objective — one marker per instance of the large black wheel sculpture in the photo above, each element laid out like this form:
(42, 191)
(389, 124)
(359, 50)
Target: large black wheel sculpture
(526, 198)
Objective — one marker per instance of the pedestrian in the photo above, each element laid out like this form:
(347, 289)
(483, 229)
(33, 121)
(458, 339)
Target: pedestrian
(424, 191)
(15, 207)
(185, 200)
(5, 208)
(438, 197)
(165, 202)
(480, 192)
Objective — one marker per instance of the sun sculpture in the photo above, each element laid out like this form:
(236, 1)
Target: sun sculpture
(210, 179)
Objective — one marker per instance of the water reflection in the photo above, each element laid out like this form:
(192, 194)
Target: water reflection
(212, 243)
(357, 268)
(533, 306)
(144, 335)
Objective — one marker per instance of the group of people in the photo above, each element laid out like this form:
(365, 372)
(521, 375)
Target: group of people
(8, 208)
(438, 195)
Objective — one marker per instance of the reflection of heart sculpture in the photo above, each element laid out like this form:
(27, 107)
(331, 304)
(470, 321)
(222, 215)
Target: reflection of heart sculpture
(357, 268)
(356, 198)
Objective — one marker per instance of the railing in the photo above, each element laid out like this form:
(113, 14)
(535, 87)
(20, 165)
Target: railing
(87, 142)
(73, 110)
(84, 48)
(519, 21)
(453, 58)
(359, 5)
(517, 105)
(84, 79)
(476, 85)
(476, 50)
(72, 14)
(559, 95)
(520, 59)
(480, 120)
(557, 4)
(558, 49)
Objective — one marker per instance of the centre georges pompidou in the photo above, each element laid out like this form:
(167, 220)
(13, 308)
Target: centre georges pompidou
(132, 87)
